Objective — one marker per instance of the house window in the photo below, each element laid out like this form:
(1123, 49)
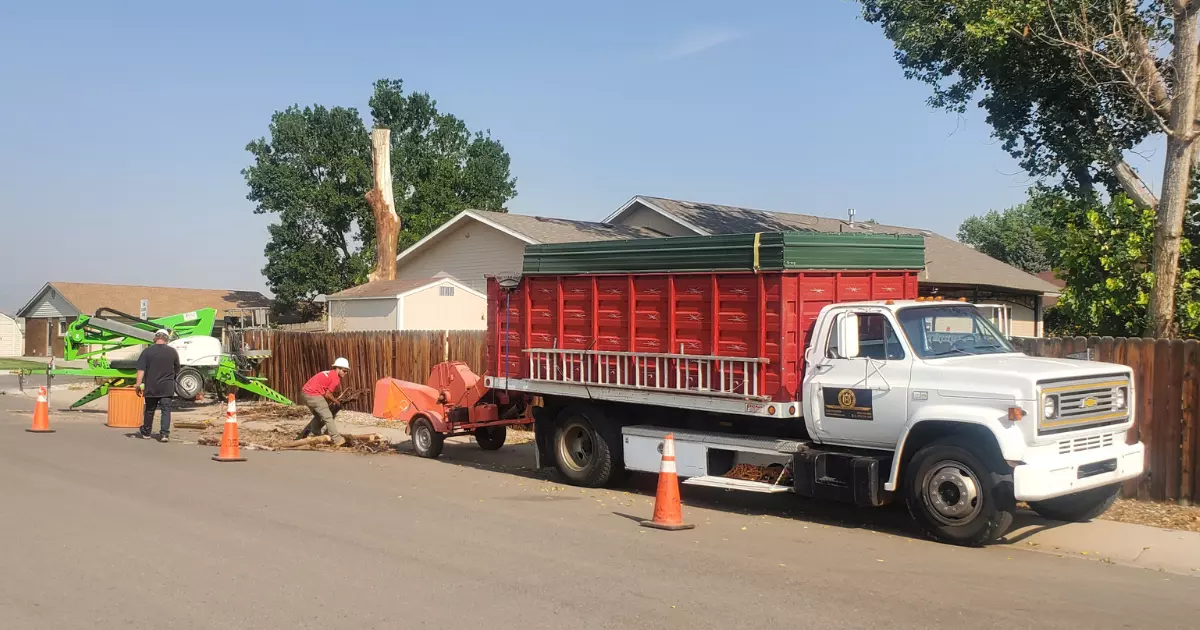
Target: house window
(62, 328)
(445, 291)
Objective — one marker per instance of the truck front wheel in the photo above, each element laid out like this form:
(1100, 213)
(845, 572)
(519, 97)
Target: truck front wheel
(583, 456)
(952, 493)
(1078, 507)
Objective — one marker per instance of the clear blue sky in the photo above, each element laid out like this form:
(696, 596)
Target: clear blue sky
(123, 124)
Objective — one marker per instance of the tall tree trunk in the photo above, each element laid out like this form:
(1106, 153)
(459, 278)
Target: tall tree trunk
(1177, 171)
(383, 206)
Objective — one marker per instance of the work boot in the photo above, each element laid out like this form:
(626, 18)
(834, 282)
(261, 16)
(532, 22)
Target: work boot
(338, 441)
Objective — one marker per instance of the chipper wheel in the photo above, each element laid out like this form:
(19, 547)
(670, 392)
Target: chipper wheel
(425, 440)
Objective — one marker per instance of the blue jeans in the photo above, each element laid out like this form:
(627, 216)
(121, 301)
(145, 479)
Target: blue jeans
(163, 404)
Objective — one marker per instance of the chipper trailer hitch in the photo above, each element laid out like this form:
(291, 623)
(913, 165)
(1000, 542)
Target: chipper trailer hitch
(202, 359)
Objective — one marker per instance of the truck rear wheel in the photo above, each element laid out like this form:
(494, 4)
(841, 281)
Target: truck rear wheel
(426, 441)
(1079, 507)
(490, 438)
(951, 492)
(583, 456)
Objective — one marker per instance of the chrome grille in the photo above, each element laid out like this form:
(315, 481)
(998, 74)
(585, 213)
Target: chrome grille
(1084, 403)
(1089, 443)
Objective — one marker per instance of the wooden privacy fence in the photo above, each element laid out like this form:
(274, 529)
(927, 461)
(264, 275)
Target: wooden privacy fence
(1167, 405)
(408, 355)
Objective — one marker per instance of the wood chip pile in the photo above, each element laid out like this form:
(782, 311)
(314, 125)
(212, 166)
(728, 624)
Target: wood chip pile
(765, 474)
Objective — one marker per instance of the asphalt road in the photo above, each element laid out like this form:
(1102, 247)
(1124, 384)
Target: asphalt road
(98, 530)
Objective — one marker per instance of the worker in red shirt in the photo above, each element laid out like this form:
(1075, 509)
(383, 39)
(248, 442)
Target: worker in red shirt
(318, 395)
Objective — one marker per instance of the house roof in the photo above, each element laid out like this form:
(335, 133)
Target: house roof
(534, 230)
(395, 288)
(87, 298)
(946, 261)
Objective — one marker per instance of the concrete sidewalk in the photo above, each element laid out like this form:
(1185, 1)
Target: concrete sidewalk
(1167, 550)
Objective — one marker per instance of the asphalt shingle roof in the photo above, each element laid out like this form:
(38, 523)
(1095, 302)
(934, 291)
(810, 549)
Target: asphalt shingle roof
(88, 297)
(383, 288)
(549, 230)
(946, 261)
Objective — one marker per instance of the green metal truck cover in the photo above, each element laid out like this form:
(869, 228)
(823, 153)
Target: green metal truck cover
(770, 251)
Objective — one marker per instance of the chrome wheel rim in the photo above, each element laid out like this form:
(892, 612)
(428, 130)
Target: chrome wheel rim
(952, 492)
(422, 438)
(576, 446)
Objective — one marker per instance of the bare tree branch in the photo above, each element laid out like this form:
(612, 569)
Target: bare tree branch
(1121, 50)
(1133, 185)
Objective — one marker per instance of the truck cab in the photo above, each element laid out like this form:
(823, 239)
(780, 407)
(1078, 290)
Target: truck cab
(908, 376)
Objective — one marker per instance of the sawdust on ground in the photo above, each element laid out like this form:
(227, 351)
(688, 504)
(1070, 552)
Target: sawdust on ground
(1153, 514)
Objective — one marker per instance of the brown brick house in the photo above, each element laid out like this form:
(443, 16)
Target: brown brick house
(57, 304)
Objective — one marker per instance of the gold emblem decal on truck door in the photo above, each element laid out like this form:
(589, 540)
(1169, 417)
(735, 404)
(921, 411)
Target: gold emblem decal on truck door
(848, 403)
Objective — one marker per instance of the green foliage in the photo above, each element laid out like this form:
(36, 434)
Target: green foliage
(1103, 252)
(1058, 113)
(1008, 236)
(313, 172)
(314, 169)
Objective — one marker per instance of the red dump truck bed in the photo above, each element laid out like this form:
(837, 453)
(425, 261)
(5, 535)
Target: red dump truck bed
(734, 334)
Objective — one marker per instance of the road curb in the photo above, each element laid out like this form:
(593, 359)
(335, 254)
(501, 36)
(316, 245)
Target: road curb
(1154, 548)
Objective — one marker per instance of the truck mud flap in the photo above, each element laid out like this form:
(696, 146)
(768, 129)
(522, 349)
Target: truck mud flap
(844, 477)
(543, 436)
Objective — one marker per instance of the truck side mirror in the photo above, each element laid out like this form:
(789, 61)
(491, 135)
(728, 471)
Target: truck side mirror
(847, 332)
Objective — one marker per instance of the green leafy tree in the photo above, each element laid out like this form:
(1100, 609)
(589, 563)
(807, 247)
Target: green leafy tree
(1069, 87)
(313, 172)
(1008, 236)
(314, 169)
(1103, 252)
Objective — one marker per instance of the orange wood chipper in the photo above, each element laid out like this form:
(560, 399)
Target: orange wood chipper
(453, 402)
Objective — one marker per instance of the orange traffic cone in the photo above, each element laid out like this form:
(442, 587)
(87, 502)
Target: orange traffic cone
(230, 449)
(668, 511)
(41, 414)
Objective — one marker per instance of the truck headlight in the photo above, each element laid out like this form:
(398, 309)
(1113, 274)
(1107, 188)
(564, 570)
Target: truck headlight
(1120, 397)
(1050, 406)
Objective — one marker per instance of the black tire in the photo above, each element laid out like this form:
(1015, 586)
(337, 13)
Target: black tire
(426, 441)
(953, 492)
(490, 438)
(582, 455)
(189, 383)
(1079, 507)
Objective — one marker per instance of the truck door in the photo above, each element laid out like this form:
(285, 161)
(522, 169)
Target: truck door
(858, 388)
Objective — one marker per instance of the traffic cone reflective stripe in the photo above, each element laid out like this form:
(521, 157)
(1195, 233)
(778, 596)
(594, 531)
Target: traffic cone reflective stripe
(41, 414)
(668, 511)
(230, 449)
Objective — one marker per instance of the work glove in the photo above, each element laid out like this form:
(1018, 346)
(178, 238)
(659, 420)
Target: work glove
(141, 390)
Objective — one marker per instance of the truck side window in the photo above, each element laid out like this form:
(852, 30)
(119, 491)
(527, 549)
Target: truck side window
(876, 339)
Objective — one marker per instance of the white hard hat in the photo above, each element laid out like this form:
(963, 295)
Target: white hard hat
(163, 332)
(342, 363)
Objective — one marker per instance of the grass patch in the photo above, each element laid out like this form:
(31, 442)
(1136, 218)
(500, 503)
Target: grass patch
(20, 364)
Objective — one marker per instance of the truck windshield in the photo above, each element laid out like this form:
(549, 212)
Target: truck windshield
(946, 331)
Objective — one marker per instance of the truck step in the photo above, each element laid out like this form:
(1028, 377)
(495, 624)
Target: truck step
(736, 484)
(719, 440)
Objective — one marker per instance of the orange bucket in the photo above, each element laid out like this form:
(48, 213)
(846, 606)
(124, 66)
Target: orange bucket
(124, 408)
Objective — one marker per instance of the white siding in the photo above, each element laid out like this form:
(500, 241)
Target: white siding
(428, 309)
(12, 342)
(468, 253)
(1023, 324)
(366, 314)
(50, 304)
(642, 216)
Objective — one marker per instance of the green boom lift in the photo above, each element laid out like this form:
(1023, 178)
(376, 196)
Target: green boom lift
(202, 359)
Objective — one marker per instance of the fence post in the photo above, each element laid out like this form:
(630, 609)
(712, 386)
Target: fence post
(1189, 426)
